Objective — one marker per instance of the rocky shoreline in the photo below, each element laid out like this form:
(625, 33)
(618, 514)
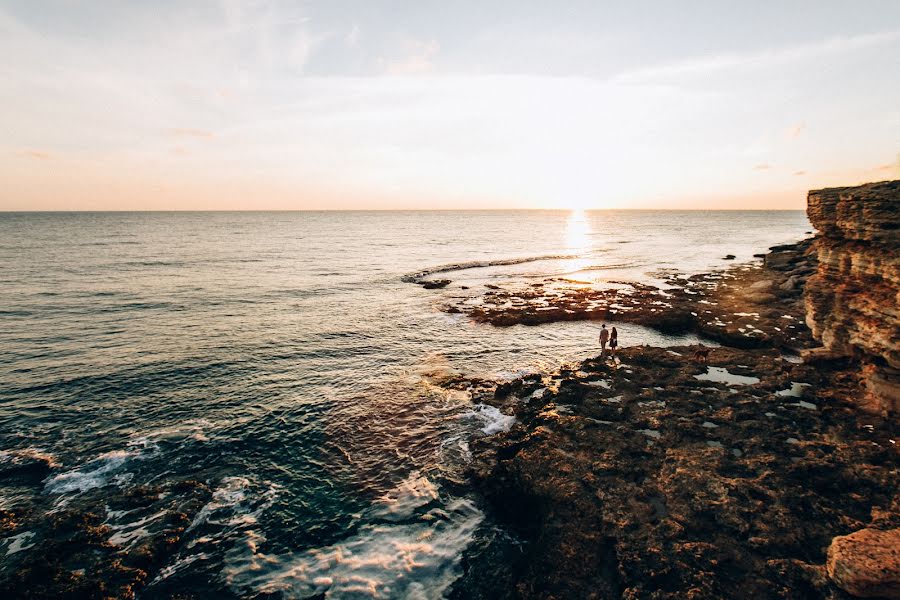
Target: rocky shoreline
(744, 307)
(660, 476)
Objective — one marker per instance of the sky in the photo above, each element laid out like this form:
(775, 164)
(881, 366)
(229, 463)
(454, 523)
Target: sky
(336, 104)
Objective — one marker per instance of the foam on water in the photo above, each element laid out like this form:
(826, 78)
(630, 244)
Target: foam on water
(104, 470)
(492, 420)
(127, 534)
(413, 493)
(19, 542)
(235, 502)
(415, 557)
(476, 264)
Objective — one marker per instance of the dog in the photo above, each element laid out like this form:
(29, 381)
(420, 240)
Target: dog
(701, 354)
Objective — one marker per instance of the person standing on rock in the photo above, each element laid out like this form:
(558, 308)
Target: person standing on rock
(604, 337)
(613, 342)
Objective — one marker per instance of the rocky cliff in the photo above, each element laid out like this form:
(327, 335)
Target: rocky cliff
(852, 300)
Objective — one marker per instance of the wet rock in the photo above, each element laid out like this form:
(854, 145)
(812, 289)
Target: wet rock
(434, 284)
(866, 563)
(25, 465)
(782, 261)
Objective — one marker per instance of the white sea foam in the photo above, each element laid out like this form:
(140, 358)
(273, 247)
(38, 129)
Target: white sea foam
(126, 534)
(511, 375)
(97, 473)
(490, 417)
(109, 467)
(417, 559)
(19, 542)
(476, 264)
(234, 503)
(412, 493)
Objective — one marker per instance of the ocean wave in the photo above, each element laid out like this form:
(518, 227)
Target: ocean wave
(105, 469)
(490, 418)
(479, 264)
(411, 494)
(417, 558)
(229, 517)
(238, 501)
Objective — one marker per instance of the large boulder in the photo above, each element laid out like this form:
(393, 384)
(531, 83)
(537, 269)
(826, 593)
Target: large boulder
(866, 563)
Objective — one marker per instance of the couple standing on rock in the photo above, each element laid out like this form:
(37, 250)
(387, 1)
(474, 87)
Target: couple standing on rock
(612, 338)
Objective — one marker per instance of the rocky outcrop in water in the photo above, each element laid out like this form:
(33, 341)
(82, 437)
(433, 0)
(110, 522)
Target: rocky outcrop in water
(744, 306)
(852, 300)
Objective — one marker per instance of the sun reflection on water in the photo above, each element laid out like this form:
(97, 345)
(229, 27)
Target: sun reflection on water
(578, 240)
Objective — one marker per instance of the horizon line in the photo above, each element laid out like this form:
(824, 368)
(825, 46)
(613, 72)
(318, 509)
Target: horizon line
(349, 210)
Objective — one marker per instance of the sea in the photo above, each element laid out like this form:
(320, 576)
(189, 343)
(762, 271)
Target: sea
(287, 361)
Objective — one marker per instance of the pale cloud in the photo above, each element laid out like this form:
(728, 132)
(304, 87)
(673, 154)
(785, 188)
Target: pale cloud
(707, 66)
(795, 130)
(191, 132)
(418, 58)
(352, 37)
(34, 154)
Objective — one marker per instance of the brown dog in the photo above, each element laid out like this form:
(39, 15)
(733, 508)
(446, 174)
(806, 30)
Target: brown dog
(701, 354)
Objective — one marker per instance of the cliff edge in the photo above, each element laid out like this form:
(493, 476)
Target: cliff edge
(852, 299)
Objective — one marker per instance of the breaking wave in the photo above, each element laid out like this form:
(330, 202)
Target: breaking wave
(479, 264)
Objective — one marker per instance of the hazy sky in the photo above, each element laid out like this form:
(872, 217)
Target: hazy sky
(179, 104)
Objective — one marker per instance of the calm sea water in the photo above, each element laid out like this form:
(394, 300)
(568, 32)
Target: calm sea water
(282, 359)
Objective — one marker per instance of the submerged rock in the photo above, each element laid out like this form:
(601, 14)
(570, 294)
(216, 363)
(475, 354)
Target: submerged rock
(433, 284)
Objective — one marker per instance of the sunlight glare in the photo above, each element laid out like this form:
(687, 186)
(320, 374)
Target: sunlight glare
(578, 240)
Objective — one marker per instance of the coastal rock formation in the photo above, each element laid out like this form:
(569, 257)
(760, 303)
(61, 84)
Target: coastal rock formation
(745, 306)
(852, 300)
(867, 563)
(658, 477)
(663, 475)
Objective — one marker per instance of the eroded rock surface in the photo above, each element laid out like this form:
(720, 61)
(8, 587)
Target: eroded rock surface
(866, 563)
(852, 299)
(662, 477)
